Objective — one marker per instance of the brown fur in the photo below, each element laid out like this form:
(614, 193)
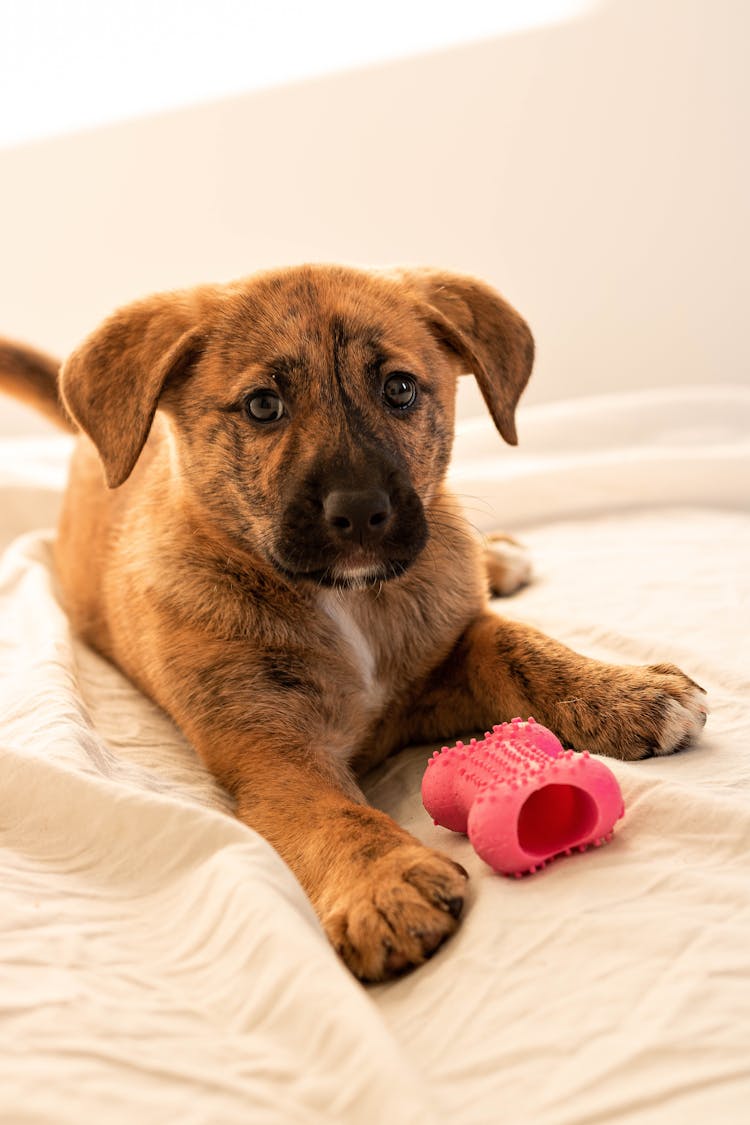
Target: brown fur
(32, 377)
(198, 570)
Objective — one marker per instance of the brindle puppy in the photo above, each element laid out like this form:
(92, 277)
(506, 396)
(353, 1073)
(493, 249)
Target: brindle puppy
(257, 533)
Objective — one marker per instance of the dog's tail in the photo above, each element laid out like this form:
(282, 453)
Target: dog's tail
(32, 377)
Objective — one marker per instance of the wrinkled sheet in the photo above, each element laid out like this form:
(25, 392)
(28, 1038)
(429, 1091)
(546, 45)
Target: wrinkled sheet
(158, 961)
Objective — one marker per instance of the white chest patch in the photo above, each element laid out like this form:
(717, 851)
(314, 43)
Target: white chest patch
(334, 604)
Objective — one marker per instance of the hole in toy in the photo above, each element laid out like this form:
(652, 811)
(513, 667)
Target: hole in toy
(554, 818)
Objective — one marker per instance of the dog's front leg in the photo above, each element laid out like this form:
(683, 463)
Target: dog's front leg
(499, 669)
(385, 901)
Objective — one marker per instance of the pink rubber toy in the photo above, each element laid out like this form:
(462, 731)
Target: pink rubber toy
(520, 797)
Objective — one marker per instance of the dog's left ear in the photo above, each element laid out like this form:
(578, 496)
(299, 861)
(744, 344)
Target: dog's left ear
(488, 335)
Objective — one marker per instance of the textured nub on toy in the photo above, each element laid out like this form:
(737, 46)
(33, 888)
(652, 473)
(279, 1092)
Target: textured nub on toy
(520, 797)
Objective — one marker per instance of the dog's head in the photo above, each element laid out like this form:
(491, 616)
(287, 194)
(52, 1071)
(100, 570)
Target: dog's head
(310, 410)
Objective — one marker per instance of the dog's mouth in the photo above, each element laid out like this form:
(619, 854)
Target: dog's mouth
(345, 576)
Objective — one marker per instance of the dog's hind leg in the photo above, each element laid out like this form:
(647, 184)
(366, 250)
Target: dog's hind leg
(508, 565)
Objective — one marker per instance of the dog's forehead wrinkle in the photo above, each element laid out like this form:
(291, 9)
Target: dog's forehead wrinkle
(356, 350)
(347, 329)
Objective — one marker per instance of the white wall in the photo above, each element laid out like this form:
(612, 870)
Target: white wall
(597, 172)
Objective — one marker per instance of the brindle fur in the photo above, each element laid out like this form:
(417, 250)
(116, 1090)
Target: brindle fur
(204, 572)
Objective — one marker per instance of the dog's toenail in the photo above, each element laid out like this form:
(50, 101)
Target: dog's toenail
(454, 905)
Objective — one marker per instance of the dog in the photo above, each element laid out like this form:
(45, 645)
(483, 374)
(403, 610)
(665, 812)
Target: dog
(258, 534)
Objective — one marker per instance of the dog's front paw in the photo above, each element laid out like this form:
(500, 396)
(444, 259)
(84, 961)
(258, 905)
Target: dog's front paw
(634, 713)
(396, 914)
(683, 716)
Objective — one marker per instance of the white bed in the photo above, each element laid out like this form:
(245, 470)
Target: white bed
(159, 963)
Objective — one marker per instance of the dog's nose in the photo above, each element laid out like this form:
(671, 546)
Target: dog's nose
(360, 516)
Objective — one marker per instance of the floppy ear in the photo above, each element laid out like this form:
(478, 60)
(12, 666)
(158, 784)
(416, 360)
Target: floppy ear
(484, 331)
(111, 384)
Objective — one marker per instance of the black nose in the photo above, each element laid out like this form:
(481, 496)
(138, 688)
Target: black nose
(359, 516)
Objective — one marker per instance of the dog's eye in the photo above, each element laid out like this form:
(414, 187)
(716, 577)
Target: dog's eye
(400, 390)
(264, 406)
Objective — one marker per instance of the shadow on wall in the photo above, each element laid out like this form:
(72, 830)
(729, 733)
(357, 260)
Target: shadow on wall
(595, 171)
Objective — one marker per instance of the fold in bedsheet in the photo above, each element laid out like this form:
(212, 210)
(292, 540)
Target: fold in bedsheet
(615, 985)
(588, 456)
(158, 961)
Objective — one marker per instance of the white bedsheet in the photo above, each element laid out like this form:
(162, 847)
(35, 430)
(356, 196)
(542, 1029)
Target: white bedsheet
(159, 963)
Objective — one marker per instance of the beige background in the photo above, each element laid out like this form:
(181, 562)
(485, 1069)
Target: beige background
(596, 171)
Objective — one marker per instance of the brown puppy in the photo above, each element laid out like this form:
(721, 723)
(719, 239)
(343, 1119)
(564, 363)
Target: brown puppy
(256, 531)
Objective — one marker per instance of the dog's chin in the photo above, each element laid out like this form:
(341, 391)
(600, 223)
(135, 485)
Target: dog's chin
(361, 577)
(341, 576)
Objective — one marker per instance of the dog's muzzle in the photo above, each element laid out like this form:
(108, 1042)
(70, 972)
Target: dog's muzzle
(351, 533)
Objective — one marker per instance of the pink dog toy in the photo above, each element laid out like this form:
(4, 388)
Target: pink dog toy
(520, 797)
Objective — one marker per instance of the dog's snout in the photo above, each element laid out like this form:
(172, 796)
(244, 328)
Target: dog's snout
(361, 516)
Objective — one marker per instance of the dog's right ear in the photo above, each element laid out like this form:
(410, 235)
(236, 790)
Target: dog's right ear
(111, 384)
